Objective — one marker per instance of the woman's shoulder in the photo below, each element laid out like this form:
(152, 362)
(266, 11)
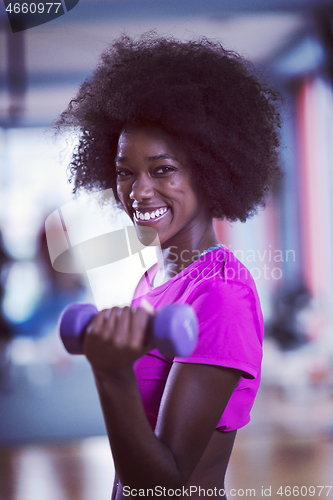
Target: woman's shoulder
(220, 270)
(224, 287)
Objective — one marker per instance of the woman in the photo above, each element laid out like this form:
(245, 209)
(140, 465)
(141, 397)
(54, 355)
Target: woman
(183, 132)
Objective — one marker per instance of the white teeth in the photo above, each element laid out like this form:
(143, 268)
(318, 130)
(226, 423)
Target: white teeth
(150, 215)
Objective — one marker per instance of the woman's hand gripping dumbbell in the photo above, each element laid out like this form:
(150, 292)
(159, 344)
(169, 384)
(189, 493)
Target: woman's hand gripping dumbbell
(173, 329)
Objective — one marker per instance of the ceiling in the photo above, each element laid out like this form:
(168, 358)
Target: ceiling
(50, 60)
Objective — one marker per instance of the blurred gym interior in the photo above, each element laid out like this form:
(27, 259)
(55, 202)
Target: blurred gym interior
(52, 438)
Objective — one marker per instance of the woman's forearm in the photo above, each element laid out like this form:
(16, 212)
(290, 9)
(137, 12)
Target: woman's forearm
(140, 458)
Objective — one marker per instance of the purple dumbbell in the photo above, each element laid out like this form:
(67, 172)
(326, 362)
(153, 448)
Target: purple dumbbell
(174, 329)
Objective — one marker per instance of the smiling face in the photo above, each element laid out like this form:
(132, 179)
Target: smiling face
(154, 187)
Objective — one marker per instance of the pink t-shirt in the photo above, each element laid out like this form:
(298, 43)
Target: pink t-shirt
(223, 295)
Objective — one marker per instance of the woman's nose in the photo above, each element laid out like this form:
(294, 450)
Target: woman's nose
(142, 188)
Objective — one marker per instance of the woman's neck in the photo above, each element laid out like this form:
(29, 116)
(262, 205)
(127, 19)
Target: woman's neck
(175, 258)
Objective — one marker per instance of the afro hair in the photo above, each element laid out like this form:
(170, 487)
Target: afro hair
(209, 98)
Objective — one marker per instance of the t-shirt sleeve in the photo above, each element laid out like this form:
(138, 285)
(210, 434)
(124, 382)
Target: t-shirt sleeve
(230, 327)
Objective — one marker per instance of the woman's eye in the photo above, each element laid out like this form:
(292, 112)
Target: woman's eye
(164, 170)
(122, 172)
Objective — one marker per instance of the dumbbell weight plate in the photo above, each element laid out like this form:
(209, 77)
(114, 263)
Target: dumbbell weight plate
(176, 330)
(73, 323)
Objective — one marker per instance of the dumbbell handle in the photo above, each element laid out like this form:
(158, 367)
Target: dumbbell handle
(173, 329)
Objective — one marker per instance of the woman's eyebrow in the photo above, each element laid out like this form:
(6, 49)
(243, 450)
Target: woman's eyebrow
(124, 159)
(161, 157)
(120, 159)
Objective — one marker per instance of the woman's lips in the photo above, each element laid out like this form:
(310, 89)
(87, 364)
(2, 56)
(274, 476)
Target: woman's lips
(149, 217)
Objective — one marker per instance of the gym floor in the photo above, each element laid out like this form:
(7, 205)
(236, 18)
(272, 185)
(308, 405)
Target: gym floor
(286, 451)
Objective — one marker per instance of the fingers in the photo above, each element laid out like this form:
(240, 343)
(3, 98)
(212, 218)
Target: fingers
(131, 327)
(122, 327)
(138, 332)
(102, 323)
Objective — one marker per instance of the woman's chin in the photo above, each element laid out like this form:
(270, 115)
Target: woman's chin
(147, 235)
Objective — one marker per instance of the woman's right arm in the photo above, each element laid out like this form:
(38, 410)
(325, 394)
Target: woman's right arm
(144, 459)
